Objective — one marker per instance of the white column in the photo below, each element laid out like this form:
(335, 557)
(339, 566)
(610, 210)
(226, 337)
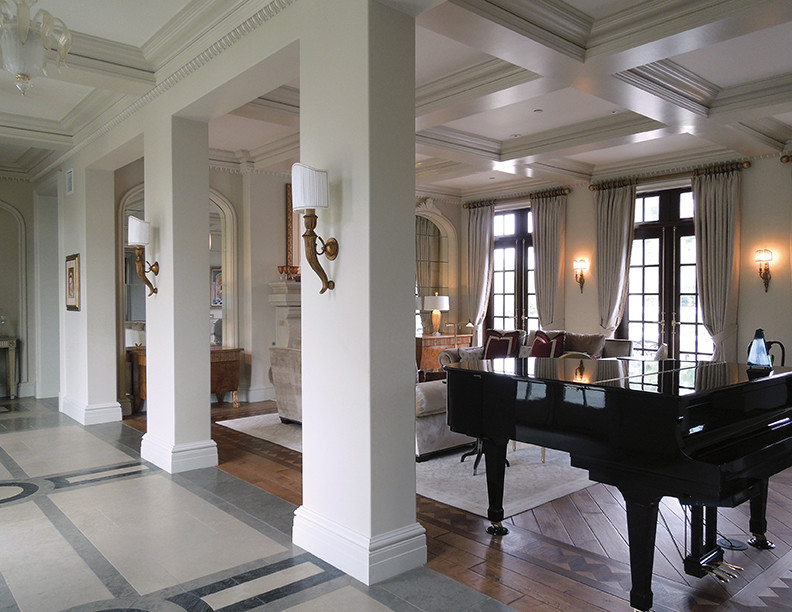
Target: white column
(177, 346)
(357, 115)
(88, 390)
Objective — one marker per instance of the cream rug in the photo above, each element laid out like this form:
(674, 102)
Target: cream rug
(268, 427)
(529, 482)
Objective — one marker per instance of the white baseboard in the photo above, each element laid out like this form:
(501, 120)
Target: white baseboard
(90, 414)
(369, 560)
(257, 394)
(174, 458)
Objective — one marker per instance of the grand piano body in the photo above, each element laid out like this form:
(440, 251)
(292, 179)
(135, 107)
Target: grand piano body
(709, 434)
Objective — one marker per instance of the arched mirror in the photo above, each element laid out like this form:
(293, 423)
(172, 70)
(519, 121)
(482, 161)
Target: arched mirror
(431, 269)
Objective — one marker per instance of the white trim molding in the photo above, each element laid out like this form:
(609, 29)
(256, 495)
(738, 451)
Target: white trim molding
(368, 559)
(175, 458)
(90, 414)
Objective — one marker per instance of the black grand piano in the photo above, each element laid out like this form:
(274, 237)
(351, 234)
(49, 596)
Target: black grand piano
(709, 434)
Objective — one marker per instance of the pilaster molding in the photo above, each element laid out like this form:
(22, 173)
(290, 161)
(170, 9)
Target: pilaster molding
(368, 559)
(175, 458)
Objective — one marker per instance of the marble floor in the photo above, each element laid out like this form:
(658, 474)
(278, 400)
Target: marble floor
(86, 525)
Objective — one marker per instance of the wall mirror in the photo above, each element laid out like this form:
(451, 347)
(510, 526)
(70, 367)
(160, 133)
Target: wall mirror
(432, 267)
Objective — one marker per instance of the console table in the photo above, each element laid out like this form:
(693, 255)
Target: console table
(224, 363)
(427, 348)
(10, 345)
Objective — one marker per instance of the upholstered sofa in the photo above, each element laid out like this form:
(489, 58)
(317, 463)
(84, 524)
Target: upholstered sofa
(432, 433)
(559, 343)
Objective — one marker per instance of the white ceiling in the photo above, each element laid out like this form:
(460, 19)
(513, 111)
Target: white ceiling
(511, 95)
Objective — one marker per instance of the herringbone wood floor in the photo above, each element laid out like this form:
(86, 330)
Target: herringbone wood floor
(569, 554)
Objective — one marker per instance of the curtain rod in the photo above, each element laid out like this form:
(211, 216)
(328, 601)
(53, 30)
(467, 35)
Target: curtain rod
(727, 167)
(536, 194)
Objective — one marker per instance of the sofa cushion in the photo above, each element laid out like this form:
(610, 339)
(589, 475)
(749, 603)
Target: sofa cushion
(471, 353)
(545, 347)
(499, 344)
(430, 398)
(591, 344)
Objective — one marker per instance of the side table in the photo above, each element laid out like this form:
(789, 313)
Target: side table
(427, 348)
(10, 345)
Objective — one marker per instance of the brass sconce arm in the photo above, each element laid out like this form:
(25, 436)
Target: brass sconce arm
(580, 266)
(763, 257)
(329, 249)
(141, 263)
(764, 274)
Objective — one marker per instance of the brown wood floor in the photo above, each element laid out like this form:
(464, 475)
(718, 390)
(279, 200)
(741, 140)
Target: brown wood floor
(569, 554)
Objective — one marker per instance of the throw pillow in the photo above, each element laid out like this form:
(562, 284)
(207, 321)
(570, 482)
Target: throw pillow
(498, 344)
(591, 344)
(545, 347)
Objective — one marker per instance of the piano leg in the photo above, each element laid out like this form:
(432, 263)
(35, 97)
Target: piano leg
(641, 531)
(758, 522)
(495, 456)
(705, 555)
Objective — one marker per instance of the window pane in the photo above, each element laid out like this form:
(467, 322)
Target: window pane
(532, 310)
(530, 262)
(687, 279)
(636, 255)
(687, 308)
(639, 205)
(531, 277)
(635, 332)
(687, 250)
(705, 344)
(652, 280)
(497, 305)
(636, 280)
(509, 224)
(497, 225)
(686, 205)
(508, 305)
(687, 337)
(635, 306)
(497, 282)
(509, 282)
(497, 260)
(530, 223)
(651, 332)
(652, 208)
(508, 259)
(651, 304)
(652, 252)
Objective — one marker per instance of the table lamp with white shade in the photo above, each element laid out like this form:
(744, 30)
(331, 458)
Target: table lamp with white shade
(436, 303)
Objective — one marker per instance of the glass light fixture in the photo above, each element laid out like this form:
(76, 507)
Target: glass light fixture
(763, 257)
(25, 43)
(138, 237)
(580, 266)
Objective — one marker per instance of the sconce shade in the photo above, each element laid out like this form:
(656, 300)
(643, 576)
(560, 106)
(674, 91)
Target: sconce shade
(138, 233)
(580, 265)
(309, 187)
(763, 255)
(436, 302)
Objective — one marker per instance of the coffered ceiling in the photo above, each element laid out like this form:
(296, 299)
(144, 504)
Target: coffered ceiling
(511, 95)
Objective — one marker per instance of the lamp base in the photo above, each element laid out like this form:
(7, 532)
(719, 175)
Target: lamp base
(436, 321)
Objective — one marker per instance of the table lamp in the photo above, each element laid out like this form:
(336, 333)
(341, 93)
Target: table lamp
(436, 303)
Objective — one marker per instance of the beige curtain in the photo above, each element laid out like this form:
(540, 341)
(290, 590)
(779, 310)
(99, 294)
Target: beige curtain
(480, 245)
(549, 218)
(717, 226)
(615, 209)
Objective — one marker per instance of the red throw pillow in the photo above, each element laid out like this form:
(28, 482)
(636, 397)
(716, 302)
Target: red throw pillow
(545, 347)
(498, 344)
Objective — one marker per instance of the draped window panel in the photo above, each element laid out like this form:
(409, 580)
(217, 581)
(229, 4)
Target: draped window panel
(615, 211)
(549, 219)
(717, 226)
(480, 245)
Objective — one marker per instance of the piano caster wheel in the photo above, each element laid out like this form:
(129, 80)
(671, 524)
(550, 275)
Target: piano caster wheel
(497, 529)
(761, 542)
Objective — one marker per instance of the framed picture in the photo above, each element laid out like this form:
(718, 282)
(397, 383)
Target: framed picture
(73, 282)
(216, 279)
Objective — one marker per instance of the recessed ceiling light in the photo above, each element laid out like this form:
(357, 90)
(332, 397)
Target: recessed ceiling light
(492, 178)
(538, 110)
(515, 135)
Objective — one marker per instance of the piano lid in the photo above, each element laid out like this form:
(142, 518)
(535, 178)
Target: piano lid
(667, 377)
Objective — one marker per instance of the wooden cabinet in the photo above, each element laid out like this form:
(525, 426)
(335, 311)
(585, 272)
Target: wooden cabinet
(224, 372)
(427, 348)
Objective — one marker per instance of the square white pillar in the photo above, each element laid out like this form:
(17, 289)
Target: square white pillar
(177, 346)
(357, 121)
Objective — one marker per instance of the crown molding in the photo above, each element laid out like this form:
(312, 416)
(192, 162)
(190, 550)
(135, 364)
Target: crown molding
(93, 105)
(673, 83)
(213, 49)
(647, 167)
(606, 128)
(523, 26)
(657, 19)
(436, 168)
(473, 82)
(258, 160)
(774, 136)
(108, 52)
(764, 92)
(447, 138)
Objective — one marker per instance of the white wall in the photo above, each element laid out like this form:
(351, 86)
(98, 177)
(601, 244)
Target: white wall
(46, 300)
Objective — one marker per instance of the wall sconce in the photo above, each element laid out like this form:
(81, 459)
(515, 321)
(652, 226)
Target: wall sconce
(309, 192)
(580, 266)
(436, 303)
(138, 237)
(763, 257)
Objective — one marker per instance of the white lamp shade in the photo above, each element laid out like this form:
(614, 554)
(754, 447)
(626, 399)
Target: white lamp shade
(436, 302)
(309, 187)
(138, 233)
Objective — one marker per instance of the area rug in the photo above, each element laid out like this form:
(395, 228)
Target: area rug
(529, 482)
(268, 427)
